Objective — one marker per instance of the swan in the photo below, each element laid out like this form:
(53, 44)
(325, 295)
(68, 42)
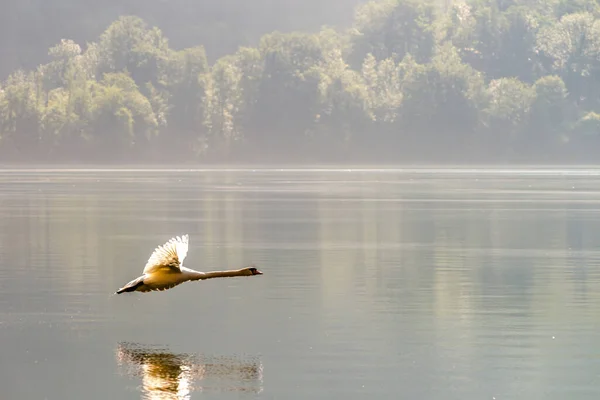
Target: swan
(164, 269)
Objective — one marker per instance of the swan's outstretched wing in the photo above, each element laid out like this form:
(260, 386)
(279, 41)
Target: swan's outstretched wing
(168, 256)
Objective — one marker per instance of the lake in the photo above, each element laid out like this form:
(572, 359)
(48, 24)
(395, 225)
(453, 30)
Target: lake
(406, 283)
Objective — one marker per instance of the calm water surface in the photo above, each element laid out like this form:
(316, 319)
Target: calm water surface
(416, 284)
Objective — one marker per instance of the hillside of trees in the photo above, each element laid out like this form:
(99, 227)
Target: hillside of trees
(411, 81)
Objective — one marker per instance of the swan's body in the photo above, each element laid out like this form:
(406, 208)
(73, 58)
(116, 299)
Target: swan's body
(164, 269)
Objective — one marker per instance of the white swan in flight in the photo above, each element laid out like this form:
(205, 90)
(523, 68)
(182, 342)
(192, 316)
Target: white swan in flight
(164, 269)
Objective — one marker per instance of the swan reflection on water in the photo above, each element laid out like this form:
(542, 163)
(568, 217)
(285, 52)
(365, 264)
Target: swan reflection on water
(167, 375)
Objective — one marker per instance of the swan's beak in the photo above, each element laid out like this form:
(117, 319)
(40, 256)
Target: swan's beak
(258, 272)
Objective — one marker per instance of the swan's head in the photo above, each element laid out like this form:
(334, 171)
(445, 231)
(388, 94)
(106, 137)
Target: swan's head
(251, 271)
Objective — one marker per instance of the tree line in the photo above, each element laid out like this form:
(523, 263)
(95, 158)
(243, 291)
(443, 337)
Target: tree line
(410, 81)
(29, 28)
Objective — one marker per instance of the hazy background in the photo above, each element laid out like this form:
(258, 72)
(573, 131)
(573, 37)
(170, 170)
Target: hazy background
(395, 82)
(30, 28)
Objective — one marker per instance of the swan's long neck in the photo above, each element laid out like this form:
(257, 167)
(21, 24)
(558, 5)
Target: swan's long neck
(197, 275)
(222, 274)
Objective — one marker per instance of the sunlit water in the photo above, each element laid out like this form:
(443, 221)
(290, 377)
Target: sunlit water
(416, 284)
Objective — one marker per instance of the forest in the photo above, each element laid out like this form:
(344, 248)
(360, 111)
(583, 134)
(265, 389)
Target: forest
(408, 81)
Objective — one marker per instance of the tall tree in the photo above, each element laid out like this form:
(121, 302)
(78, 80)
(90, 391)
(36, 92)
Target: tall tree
(394, 28)
(571, 49)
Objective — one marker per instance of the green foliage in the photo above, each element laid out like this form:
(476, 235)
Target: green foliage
(550, 109)
(441, 95)
(128, 44)
(21, 113)
(571, 49)
(588, 125)
(411, 80)
(395, 28)
(565, 7)
(509, 104)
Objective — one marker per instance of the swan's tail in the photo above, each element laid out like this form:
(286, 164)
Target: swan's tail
(131, 286)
